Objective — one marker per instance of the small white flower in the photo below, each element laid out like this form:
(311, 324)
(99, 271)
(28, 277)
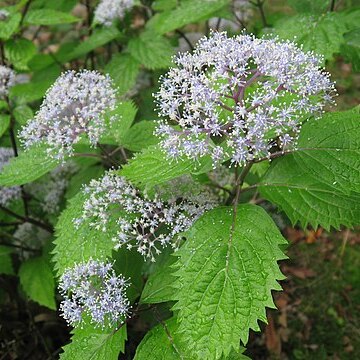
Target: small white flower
(93, 289)
(241, 92)
(7, 79)
(109, 10)
(74, 106)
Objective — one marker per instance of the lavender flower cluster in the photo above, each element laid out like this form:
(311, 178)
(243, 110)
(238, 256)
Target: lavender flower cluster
(239, 98)
(109, 10)
(74, 106)
(93, 291)
(7, 79)
(7, 194)
(145, 223)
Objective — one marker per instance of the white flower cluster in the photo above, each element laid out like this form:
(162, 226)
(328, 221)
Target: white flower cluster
(109, 10)
(239, 98)
(7, 79)
(143, 222)
(7, 194)
(51, 190)
(93, 290)
(74, 106)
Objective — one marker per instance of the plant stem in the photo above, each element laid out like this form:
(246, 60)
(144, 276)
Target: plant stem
(260, 5)
(38, 223)
(332, 5)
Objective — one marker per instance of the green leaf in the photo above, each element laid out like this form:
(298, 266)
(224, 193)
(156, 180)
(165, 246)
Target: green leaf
(23, 114)
(27, 167)
(98, 38)
(159, 286)
(310, 6)
(319, 184)
(49, 17)
(38, 282)
(151, 50)
(322, 34)
(226, 271)
(6, 266)
(9, 26)
(77, 244)
(19, 52)
(161, 343)
(4, 123)
(122, 118)
(95, 344)
(188, 12)
(151, 167)
(124, 70)
(140, 136)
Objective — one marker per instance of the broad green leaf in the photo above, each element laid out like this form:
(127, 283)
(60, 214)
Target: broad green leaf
(227, 269)
(319, 184)
(124, 70)
(322, 34)
(48, 17)
(4, 123)
(117, 128)
(161, 343)
(129, 263)
(151, 50)
(19, 52)
(98, 38)
(37, 280)
(63, 5)
(310, 6)
(77, 244)
(159, 286)
(88, 343)
(188, 12)
(161, 5)
(9, 26)
(6, 266)
(140, 136)
(27, 167)
(151, 167)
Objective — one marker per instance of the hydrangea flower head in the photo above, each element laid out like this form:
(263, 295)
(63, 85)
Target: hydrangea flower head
(7, 194)
(239, 98)
(109, 10)
(93, 290)
(74, 106)
(143, 222)
(7, 79)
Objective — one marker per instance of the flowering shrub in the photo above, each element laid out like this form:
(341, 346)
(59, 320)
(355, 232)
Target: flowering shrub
(138, 179)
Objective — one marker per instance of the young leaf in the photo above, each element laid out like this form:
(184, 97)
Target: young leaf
(151, 167)
(189, 11)
(38, 282)
(123, 69)
(151, 50)
(6, 266)
(227, 269)
(19, 52)
(10, 26)
(77, 244)
(49, 17)
(95, 344)
(319, 183)
(27, 167)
